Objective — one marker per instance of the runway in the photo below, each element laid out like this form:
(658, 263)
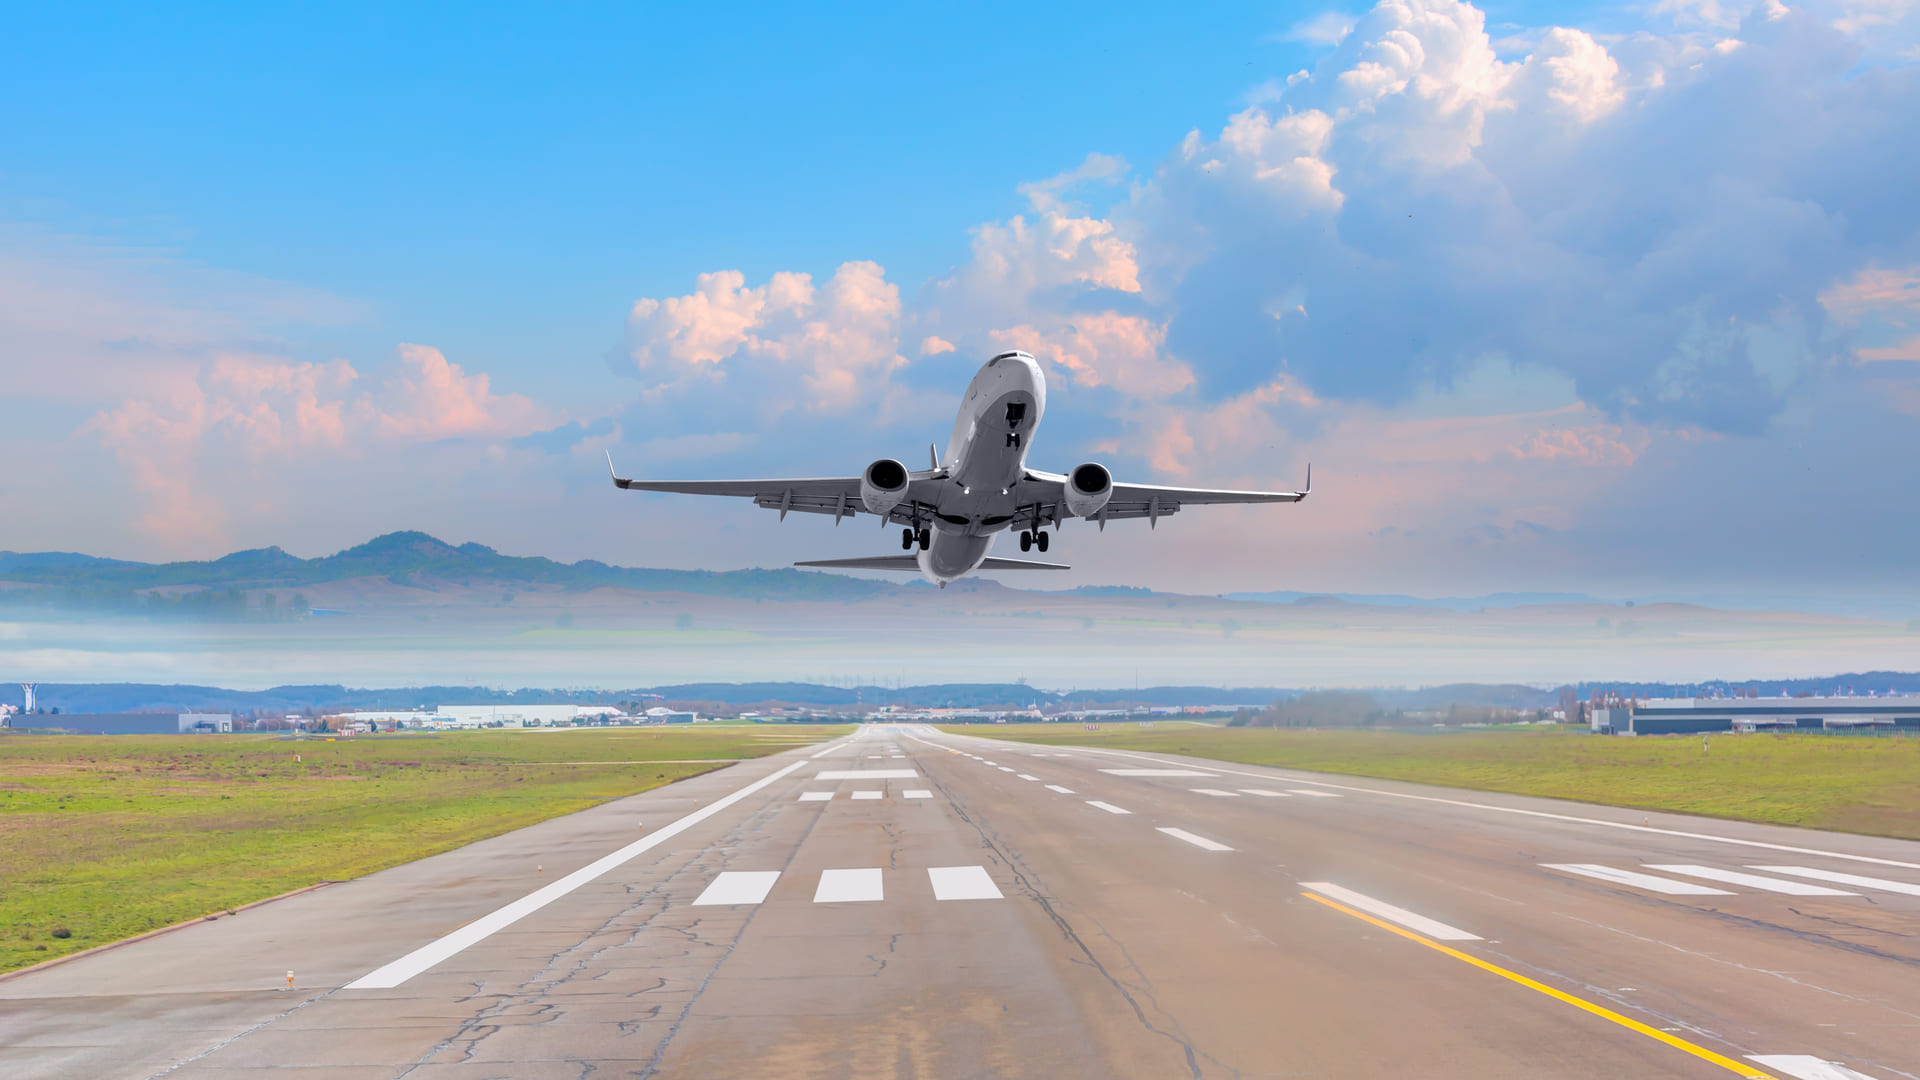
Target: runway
(907, 903)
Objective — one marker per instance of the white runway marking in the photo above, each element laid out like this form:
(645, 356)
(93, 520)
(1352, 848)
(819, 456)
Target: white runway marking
(1107, 806)
(962, 883)
(984, 761)
(848, 886)
(426, 956)
(1156, 772)
(815, 796)
(739, 887)
(1315, 794)
(823, 753)
(1430, 927)
(1268, 794)
(1024, 776)
(1752, 881)
(1549, 815)
(916, 793)
(1859, 880)
(1058, 788)
(1807, 1067)
(1196, 841)
(1215, 792)
(873, 757)
(868, 794)
(1637, 881)
(867, 774)
(1004, 768)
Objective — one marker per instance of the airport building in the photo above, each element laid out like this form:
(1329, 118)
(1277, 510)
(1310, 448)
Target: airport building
(1674, 716)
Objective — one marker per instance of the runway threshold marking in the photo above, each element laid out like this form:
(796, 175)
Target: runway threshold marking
(847, 886)
(399, 971)
(1807, 1067)
(868, 794)
(1431, 927)
(962, 883)
(815, 796)
(1752, 881)
(1197, 841)
(1678, 1043)
(916, 793)
(738, 887)
(1637, 881)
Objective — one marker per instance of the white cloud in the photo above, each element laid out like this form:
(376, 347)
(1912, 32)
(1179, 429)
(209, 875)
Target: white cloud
(1326, 28)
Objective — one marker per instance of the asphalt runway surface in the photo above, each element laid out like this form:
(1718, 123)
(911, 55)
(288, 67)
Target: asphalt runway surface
(906, 903)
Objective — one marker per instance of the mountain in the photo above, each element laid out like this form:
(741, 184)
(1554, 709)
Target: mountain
(1450, 603)
(401, 558)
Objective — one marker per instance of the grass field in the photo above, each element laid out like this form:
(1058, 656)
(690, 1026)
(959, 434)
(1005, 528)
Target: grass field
(1847, 783)
(102, 837)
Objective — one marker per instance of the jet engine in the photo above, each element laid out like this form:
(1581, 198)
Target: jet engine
(1088, 488)
(883, 485)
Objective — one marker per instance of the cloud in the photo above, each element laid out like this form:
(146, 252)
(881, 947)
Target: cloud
(1326, 28)
(1045, 194)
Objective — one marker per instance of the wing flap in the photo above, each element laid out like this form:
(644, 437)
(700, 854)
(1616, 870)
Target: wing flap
(871, 562)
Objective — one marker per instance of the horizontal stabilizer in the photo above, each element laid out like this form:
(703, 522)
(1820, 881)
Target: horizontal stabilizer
(912, 562)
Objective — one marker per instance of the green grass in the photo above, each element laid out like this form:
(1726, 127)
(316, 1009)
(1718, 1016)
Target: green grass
(1846, 783)
(106, 837)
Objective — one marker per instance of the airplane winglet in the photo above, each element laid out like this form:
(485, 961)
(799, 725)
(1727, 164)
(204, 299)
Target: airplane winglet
(1308, 490)
(618, 481)
(934, 453)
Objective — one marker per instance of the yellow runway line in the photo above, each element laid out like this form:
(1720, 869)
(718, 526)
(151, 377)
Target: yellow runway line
(1740, 1068)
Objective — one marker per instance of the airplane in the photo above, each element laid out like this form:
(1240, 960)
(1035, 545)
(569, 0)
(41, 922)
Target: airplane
(952, 511)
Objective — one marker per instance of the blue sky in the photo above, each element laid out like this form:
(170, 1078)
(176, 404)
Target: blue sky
(1518, 278)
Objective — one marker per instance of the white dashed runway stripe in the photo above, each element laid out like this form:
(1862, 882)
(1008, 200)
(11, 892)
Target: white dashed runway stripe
(1107, 806)
(1858, 881)
(1418, 923)
(1197, 841)
(1156, 772)
(1058, 788)
(849, 886)
(962, 883)
(1806, 1067)
(1024, 776)
(1216, 793)
(1635, 880)
(1752, 881)
(1265, 792)
(916, 793)
(869, 795)
(815, 796)
(1315, 794)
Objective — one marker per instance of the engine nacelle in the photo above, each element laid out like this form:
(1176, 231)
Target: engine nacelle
(883, 485)
(1088, 488)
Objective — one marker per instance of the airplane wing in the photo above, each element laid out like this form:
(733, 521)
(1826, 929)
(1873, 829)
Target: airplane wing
(836, 495)
(912, 562)
(1045, 492)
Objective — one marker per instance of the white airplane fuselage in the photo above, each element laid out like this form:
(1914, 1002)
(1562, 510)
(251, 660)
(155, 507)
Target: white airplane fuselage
(985, 459)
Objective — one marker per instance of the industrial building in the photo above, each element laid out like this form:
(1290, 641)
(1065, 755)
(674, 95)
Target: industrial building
(1674, 716)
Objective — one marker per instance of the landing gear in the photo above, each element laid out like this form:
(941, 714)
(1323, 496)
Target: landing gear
(926, 539)
(1026, 541)
(1040, 538)
(1033, 539)
(906, 539)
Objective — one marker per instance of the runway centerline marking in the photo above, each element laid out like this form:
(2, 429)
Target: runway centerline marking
(738, 887)
(1860, 880)
(1807, 1067)
(1433, 928)
(1636, 880)
(1265, 792)
(1058, 788)
(406, 967)
(1156, 772)
(1215, 792)
(1310, 791)
(1752, 881)
(867, 774)
(1024, 776)
(962, 883)
(1107, 806)
(1196, 841)
(1701, 1052)
(848, 886)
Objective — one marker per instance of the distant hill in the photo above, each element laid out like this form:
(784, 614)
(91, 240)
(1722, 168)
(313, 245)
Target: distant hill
(1450, 603)
(401, 558)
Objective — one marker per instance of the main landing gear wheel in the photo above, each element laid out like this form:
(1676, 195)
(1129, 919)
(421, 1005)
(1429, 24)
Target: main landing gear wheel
(926, 539)
(906, 539)
(1026, 541)
(1040, 539)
